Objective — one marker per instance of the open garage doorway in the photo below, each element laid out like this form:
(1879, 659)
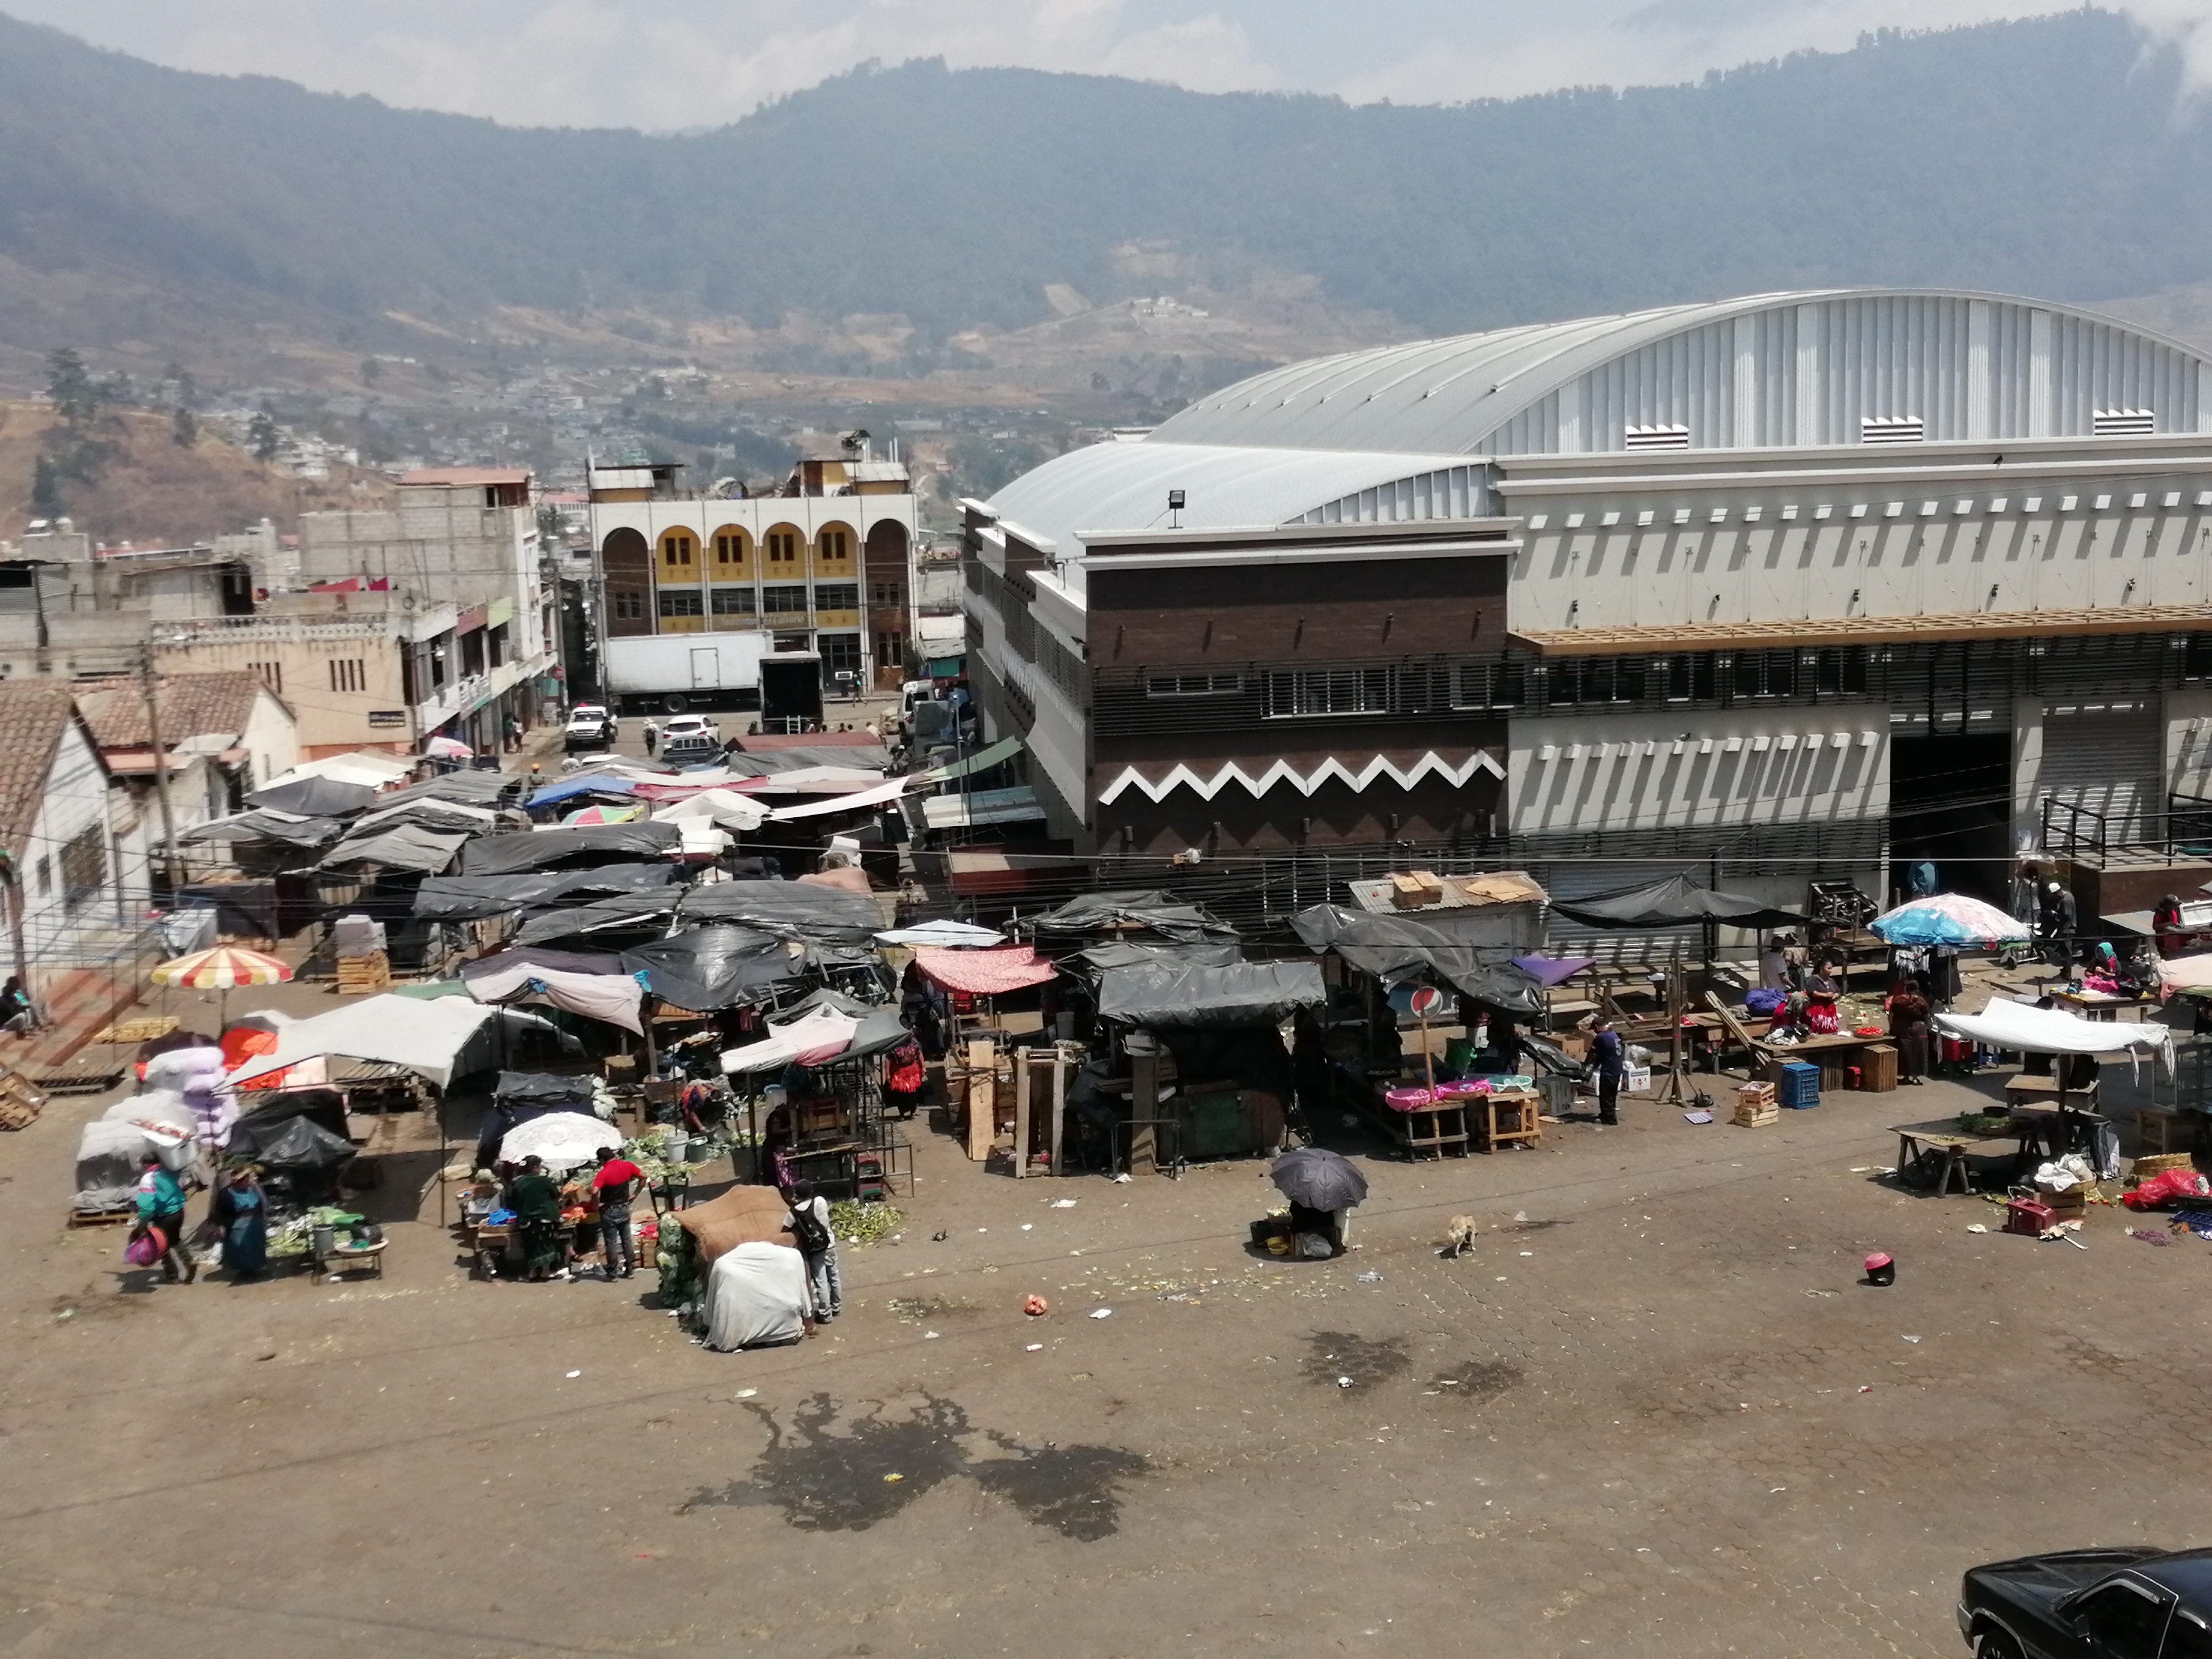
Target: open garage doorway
(1950, 802)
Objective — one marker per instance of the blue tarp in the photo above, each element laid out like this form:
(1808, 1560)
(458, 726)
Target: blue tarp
(584, 783)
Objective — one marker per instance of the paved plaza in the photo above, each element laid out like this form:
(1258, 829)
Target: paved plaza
(1654, 1411)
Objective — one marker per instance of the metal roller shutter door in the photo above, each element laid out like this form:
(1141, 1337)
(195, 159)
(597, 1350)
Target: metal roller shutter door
(2110, 762)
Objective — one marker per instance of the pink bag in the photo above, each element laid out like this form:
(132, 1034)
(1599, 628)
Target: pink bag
(147, 1245)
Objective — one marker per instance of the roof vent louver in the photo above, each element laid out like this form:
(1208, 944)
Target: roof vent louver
(2123, 423)
(1657, 437)
(1892, 429)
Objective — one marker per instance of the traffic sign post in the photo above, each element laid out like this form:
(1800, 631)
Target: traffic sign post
(1425, 1000)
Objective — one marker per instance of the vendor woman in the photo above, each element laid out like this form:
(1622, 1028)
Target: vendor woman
(1823, 991)
(535, 1201)
(239, 1211)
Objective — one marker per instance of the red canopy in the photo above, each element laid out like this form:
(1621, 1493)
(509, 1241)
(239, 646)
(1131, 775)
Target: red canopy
(983, 973)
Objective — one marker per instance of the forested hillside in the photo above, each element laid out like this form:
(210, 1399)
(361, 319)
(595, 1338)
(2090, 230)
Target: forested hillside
(2048, 156)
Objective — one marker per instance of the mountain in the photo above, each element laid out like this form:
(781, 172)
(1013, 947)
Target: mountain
(2052, 156)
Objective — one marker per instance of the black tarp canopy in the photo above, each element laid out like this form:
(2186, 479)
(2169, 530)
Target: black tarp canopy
(1673, 902)
(283, 829)
(615, 912)
(1149, 909)
(469, 789)
(1163, 996)
(1398, 948)
(465, 898)
(789, 910)
(315, 797)
(292, 1128)
(439, 815)
(806, 757)
(559, 1090)
(590, 844)
(403, 846)
(719, 966)
(1139, 953)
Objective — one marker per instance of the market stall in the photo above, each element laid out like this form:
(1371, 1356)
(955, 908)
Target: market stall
(813, 1096)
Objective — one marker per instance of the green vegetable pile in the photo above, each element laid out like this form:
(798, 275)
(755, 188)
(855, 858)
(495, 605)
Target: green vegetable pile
(855, 1223)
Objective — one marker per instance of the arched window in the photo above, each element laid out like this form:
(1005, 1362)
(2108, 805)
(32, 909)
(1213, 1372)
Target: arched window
(733, 553)
(679, 553)
(833, 544)
(783, 543)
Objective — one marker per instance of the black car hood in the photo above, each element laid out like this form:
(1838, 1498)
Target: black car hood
(2043, 1579)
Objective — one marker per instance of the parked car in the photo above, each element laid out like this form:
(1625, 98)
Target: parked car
(690, 748)
(590, 726)
(2134, 1603)
(686, 726)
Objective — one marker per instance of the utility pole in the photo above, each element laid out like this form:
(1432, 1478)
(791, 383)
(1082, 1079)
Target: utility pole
(151, 687)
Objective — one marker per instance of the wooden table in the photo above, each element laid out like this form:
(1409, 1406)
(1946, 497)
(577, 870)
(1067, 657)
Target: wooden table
(2097, 1004)
(1948, 1145)
(1506, 1118)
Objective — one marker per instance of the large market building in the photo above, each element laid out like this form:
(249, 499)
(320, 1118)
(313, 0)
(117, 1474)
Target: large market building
(1806, 582)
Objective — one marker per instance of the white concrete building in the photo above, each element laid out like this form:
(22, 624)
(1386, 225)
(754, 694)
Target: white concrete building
(1803, 583)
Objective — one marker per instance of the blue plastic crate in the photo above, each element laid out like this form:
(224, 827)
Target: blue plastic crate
(1799, 1087)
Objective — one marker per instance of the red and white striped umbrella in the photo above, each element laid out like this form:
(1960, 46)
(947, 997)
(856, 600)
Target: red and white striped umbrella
(221, 968)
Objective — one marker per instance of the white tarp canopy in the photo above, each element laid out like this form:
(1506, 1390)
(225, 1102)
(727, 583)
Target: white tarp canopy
(2033, 1031)
(875, 796)
(944, 935)
(820, 1037)
(723, 806)
(441, 1038)
(703, 839)
(373, 771)
(613, 998)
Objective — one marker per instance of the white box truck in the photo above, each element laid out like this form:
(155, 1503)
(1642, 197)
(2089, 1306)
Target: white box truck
(669, 673)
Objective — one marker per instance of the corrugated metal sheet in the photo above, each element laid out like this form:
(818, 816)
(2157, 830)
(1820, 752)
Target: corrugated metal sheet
(1764, 371)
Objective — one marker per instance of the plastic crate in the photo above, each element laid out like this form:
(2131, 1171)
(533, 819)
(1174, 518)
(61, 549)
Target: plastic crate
(1797, 1086)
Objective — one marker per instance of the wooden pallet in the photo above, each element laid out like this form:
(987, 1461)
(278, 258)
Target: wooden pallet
(80, 1083)
(19, 1103)
(101, 1218)
(364, 975)
(144, 1029)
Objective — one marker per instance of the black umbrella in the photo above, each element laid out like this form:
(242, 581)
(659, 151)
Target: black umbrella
(1318, 1179)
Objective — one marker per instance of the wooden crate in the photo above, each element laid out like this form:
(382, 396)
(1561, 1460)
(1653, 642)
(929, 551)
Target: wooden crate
(1753, 1114)
(364, 975)
(2169, 1134)
(1878, 1068)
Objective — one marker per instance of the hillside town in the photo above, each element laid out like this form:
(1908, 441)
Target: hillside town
(1545, 977)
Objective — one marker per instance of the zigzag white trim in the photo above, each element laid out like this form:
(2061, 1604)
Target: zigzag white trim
(1431, 764)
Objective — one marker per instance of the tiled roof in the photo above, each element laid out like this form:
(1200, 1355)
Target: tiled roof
(34, 713)
(192, 706)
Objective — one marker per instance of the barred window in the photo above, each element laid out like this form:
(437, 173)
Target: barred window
(837, 596)
(84, 866)
(782, 601)
(1193, 685)
(1329, 691)
(681, 602)
(734, 602)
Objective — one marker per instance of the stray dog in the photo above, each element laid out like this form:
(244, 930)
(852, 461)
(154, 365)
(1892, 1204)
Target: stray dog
(1459, 1237)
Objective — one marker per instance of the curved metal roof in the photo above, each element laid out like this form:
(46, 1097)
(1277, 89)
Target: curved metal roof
(1124, 486)
(1453, 395)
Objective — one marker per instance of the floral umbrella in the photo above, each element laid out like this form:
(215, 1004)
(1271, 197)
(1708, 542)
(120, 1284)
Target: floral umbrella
(1950, 919)
(590, 815)
(445, 748)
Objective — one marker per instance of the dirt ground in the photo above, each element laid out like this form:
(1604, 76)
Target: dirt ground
(1654, 1411)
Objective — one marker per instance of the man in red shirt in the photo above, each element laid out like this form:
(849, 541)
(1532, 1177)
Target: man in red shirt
(616, 1182)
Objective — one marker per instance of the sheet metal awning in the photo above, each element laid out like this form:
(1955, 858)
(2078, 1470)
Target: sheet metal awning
(982, 759)
(1861, 631)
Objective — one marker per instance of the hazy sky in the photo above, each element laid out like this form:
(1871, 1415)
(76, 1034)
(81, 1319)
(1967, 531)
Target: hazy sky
(661, 64)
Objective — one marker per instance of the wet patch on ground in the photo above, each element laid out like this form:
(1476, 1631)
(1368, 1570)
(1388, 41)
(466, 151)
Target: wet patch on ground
(1334, 1357)
(825, 1477)
(1478, 1380)
(1074, 1490)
